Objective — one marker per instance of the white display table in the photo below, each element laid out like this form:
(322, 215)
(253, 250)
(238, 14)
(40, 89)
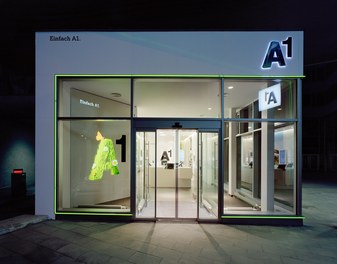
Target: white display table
(166, 177)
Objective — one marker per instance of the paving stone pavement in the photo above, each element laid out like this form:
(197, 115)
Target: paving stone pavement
(138, 242)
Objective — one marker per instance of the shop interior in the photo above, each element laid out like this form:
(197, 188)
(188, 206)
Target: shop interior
(177, 170)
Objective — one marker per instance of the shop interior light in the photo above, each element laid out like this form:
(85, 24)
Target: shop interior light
(115, 94)
(230, 87)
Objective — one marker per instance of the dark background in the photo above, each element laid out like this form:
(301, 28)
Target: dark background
(19, 20)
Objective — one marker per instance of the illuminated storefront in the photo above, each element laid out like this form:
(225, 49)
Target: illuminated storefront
(201, 126)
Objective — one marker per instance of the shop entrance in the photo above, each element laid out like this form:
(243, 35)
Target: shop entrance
(177, 174)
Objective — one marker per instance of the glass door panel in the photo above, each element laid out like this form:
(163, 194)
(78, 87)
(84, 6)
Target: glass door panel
(166, 173)
(208, 175)
(145, 173)
(169, 164)
(187, 174)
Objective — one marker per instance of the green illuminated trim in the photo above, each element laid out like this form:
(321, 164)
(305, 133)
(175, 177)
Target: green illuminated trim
(56, 76)
(261, 217)
(180, 75)
(55, 143)
(87, 213)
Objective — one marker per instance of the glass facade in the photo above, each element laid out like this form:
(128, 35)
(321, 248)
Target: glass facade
(123, 146)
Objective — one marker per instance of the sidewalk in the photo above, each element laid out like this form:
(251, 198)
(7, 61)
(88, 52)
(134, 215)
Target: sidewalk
(93, 242)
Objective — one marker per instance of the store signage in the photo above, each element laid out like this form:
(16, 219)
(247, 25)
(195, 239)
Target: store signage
(270, 97)
(275, 55)
(92, 104)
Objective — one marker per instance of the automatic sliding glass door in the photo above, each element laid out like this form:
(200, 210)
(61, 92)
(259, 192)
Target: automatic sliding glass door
(208, 175)
(145, 173)
(177, 174)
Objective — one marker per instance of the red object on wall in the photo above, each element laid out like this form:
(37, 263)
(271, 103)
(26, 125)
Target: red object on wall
(18, 171)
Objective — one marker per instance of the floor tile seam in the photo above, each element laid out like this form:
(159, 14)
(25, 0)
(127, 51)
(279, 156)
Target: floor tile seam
(24, 240)
(141, 242)
(13, 252)
(64, 254)
(216, 256)
(46, 236)
(26, 254)
(144, 253)
(304, 260)
(42, 228)
(94, 252)
(203, 259)
(167, 256)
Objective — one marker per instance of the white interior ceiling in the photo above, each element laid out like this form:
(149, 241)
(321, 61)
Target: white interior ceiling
(242, 93)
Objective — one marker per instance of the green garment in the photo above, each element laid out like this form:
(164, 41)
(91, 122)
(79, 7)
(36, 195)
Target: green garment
(105, 159)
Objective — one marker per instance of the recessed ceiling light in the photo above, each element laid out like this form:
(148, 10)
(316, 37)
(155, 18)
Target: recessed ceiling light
(230, 87)
(279, 109)
(209, 108)
(115, 94)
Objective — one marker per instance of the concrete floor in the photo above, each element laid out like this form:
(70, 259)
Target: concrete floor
(95, 242)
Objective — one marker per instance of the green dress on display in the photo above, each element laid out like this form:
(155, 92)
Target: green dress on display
(105, 159)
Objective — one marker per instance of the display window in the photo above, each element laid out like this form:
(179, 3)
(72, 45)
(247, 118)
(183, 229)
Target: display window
(93, 166)
(93, 161)
(261, 173)
(94, 97)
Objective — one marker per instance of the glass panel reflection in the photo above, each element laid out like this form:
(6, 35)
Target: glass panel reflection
(94, 97)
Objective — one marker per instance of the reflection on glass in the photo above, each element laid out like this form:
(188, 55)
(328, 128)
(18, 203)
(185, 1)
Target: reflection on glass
(94, 97)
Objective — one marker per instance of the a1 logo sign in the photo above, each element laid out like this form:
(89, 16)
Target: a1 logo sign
(274, 53)
(270, 97)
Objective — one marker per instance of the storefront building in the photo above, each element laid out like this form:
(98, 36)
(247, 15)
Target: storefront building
(198, 126)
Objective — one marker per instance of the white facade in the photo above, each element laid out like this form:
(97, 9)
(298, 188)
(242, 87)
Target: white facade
(225, 54)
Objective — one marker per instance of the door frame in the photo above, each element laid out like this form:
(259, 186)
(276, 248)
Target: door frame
(152, 125)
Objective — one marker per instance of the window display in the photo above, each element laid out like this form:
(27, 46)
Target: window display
(105, 159)
(89, 175)
(248, 194)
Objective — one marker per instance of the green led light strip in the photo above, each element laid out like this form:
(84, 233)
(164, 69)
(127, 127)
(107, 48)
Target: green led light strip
(55, 143)
(262, 217)
(88, 213)
(180, 75)
(148, 76)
